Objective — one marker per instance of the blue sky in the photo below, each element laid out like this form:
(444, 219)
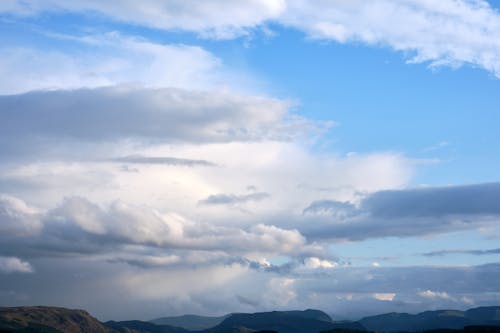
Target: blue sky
(316, 150)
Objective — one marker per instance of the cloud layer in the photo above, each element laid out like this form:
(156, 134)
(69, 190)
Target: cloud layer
(445, 33)
(166, 115)
(140, 177)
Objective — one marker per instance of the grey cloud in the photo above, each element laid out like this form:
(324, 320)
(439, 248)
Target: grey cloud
(247, 301)
(471, 252)
(78, 226)
(350, 291)
(410, 279)
(364, 227)
(139, 159)
(232, 199)
(345, 292)
(402, 213)
(176, 259)
(477, 199)
(146, 262)
(54, 122)
(339, 210)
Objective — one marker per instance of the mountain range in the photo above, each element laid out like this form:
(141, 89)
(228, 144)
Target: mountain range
(429, 320)
(60, 320)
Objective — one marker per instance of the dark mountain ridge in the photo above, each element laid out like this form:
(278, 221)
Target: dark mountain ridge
(430, 320)
(138, 326)
(43, 319)
(308, 321)
(190, 322)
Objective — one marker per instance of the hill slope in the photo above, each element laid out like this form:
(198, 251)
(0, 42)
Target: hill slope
(49, 319)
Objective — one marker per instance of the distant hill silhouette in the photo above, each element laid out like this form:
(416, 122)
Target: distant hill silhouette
(309, 321)
(467, 329)
(190, 322)
(138, 326)
(311, 314)
(431, 320)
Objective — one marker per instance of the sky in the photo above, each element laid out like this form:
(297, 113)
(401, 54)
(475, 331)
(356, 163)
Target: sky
(169, 157)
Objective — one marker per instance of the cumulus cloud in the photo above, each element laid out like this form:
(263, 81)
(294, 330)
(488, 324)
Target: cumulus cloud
(14, 265)
(80, 226)
(16, 218)
(314, 263)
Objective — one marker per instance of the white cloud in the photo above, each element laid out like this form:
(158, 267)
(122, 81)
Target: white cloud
(446, 32)
(14, 265)
(16, 218)
(434, 294)
(443, 33)
(215, 18)
(384, 296)
(281, 291)
(467, 300)
(314, 263)
(109, 59)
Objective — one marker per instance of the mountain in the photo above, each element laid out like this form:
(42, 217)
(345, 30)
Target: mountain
(311, 314)
(486, 315)
(190, 322)
(431, 320)
(49, 320)
(198, 323)
(309, 321)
